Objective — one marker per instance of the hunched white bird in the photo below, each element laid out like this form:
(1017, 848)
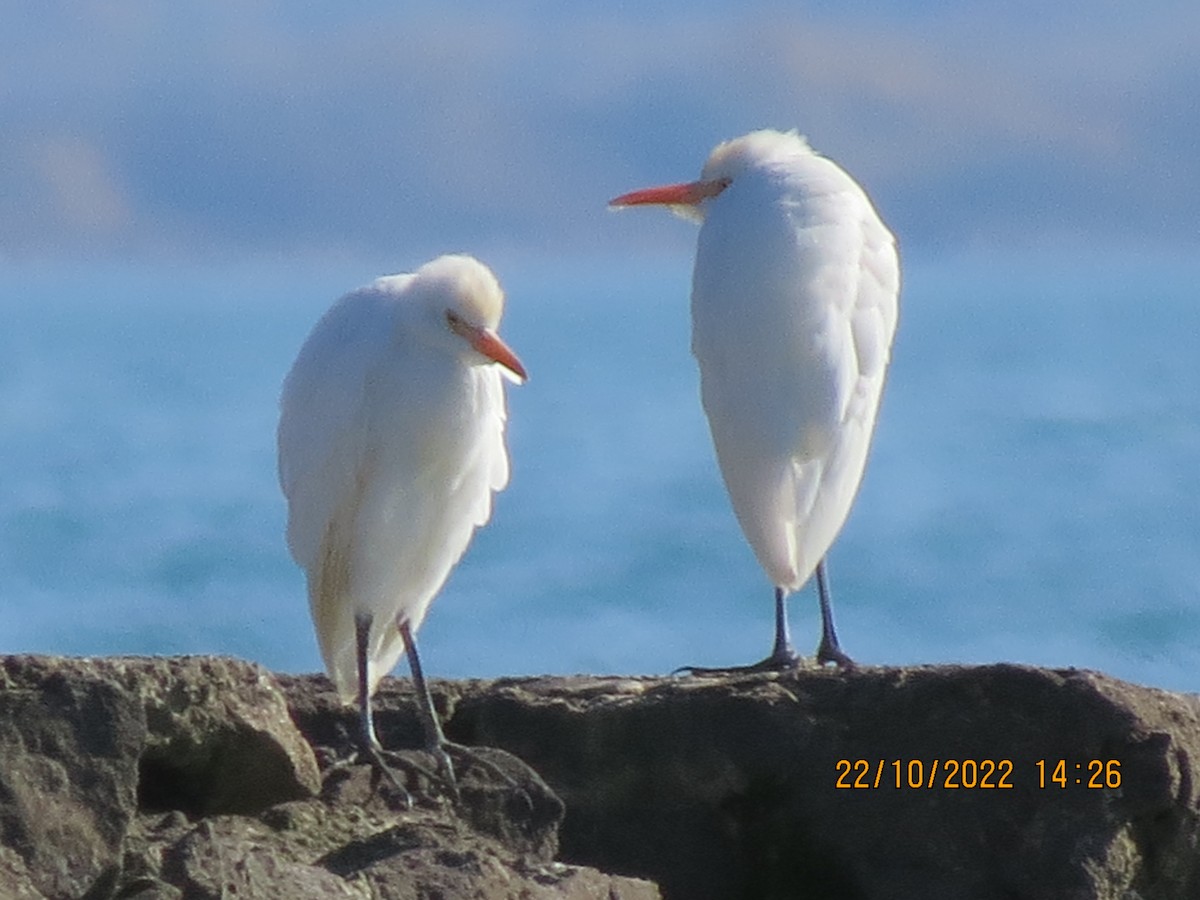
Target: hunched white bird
(794, 306)
(391, 445)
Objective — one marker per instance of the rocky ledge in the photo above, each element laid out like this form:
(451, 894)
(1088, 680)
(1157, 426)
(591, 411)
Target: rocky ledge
(213, 778)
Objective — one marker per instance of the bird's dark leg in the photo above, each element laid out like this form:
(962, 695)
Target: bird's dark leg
(782, 656)
(829, 649)
(366, 718)
(435, 739)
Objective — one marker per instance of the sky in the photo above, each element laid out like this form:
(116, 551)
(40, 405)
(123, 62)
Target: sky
(214, 130)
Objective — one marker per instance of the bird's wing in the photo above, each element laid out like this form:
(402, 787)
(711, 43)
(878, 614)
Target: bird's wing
(491, 455)
(322, 434)
(863, 315)
(876, 305)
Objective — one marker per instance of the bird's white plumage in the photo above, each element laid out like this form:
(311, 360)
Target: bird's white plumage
(794, 307)
(391, 444)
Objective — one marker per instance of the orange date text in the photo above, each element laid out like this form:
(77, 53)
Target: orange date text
(922, 774)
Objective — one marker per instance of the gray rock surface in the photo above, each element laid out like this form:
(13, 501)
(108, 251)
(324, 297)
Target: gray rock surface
(172, 779)
(182, 778)
(729, 787)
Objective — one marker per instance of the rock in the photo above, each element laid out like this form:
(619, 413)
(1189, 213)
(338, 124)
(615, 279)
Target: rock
(773, 786)
(15, 880)
(525, 818)
(175, 779)
(220, 736)
(499, 842)
(68, 782)
(354, 841)
(186, 779)
(87, 745)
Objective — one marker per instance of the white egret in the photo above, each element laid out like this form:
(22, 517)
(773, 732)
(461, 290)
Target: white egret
(391, 444)
(794, 306)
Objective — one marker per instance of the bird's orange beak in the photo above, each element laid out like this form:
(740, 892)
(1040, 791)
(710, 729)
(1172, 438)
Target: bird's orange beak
(487, 342)
(688, 193)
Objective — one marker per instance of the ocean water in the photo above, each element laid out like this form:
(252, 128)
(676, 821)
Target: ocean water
(1033, 494)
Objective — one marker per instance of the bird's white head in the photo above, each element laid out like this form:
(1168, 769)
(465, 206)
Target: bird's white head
(754, 153)
(463, 297)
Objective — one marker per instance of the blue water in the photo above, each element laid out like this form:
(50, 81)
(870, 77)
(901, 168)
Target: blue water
(1032, 495)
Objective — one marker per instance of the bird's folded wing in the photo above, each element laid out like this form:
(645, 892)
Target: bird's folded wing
(322, 440)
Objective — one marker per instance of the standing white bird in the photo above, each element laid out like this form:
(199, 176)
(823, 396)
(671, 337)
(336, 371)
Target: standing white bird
(391, 444)
(794, 305)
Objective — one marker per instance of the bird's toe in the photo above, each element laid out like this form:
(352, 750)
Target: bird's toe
(779, 661)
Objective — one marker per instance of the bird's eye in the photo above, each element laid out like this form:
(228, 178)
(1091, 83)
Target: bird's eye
(456, 323)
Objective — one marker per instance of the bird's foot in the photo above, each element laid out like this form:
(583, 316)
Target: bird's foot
(392, 773)
(832, 653)
(781, 660)
(401, 778)
(384, 771)
(478, 756)
(387, 776)
(449, 759)
(443, 772)
(454, 757)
